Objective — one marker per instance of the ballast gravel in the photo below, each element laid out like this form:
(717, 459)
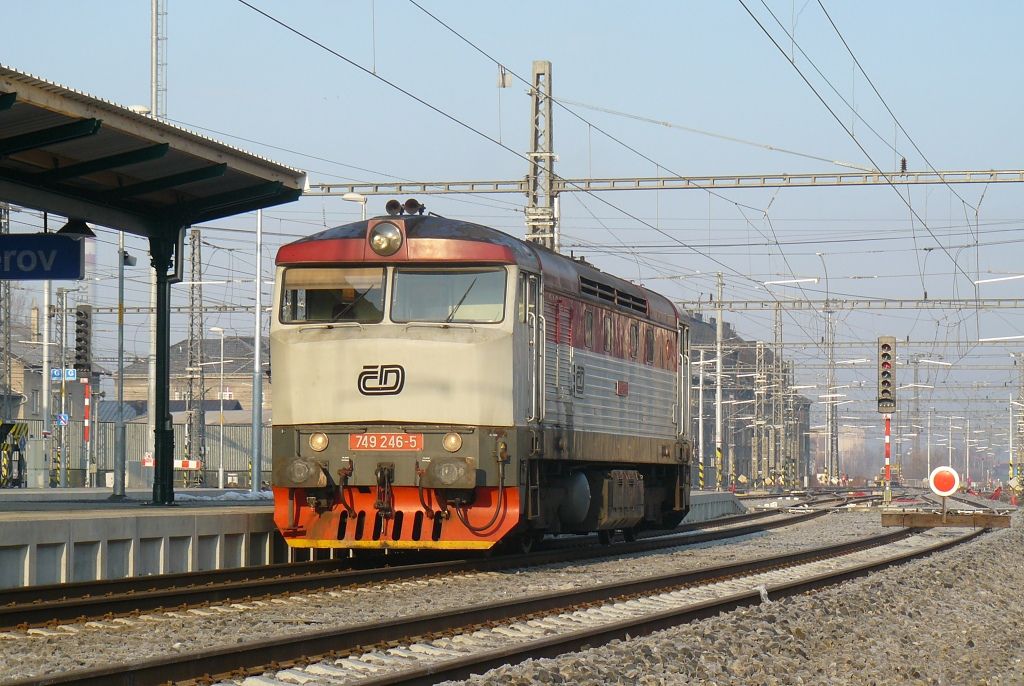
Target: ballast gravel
(954, 618)
(124, 641)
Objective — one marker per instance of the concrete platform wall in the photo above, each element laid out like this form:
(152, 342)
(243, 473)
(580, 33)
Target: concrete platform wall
(85, 545)
(706, 505)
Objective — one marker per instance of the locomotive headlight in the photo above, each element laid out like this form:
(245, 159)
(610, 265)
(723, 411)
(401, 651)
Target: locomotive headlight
(385, 239)
(450, 472)
(452, 442)
(318, 441)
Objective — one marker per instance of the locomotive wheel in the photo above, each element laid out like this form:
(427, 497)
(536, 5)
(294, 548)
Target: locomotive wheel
(526, 542)
(629, 534)
(605, 536)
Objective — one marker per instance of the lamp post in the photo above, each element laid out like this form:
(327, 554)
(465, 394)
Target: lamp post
(950, 440)
(359, 198)
(220, 466)
(832, 446)
(120, 457)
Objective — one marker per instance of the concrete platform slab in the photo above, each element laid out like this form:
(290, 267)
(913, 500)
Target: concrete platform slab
(55, 536)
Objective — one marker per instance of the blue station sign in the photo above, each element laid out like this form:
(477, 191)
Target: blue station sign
(41, 256)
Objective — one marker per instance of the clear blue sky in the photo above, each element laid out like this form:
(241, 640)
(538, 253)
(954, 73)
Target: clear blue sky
(948, 70)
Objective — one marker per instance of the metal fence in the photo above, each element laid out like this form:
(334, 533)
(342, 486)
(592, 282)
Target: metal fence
(237, 445)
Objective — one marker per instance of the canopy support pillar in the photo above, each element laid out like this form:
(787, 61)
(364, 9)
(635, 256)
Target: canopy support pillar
(163, 246)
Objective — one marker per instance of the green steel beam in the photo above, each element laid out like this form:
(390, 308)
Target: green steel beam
(165, 182)
(224, 204)
(123, 159)
(280, 196)
(44, 137)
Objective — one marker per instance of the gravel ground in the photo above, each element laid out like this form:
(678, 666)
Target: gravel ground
(953, 618)
(122, 641)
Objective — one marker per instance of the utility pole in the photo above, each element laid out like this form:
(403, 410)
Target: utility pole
(158, 59)
(790, 437)
(47, 392)
(915, 420)
(542, 200)
(120, 430)
(832, 440)
(1018, 425)
(62, 323)
(967, 455)
(928, 448)
(778, 387)
(759, 458)
(7, 411)
(195, 395)
(257, 366)
(158, 108)
(719, 331)
(700, 422)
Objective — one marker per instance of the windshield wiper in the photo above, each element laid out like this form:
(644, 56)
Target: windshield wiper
(461, 300)
(352, 304)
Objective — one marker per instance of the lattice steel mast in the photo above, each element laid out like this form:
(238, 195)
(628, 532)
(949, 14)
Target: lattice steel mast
(7, 410)
(195, 394)
(541, 205)
(6, 322)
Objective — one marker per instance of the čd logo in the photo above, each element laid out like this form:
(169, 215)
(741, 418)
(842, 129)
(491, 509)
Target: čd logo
(382, 379)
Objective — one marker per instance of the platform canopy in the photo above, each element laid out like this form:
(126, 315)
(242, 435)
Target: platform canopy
(69, 153)
(82, 157)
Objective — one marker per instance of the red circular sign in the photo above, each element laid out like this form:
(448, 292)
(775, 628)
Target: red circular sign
(944, 481)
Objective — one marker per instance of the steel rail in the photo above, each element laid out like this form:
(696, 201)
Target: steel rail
(94, 605)
(238, 660)
(25, 595)
(586, 638)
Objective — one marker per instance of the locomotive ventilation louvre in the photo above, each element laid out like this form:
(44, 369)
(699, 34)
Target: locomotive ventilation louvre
(612, 295)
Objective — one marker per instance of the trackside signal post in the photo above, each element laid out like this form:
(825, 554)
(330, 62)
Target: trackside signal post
(887, 402)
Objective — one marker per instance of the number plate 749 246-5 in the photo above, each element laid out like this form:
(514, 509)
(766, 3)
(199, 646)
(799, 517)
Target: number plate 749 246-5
(385, 441)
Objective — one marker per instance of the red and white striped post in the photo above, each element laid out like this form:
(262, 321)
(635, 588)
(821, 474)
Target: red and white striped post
(86, 430)
(887, 492)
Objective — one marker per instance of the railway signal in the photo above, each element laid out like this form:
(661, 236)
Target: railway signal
(886, 378)
(944, 481)
(83, 338)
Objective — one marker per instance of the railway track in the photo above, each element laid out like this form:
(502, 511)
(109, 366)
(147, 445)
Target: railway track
(39, 606)
(973, 502)
(438, 646)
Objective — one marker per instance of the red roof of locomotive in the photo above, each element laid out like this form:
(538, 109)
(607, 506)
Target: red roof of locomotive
(438, 239)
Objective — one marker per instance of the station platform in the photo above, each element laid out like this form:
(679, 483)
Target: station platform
(52, 535)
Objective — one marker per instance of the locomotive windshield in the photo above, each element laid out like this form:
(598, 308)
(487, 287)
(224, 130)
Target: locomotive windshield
(321, 294)
(475, 295)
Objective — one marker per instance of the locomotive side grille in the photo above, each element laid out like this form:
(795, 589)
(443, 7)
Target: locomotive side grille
(609, 294)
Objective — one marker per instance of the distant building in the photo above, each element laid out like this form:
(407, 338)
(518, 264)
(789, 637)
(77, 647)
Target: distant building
(22, 399)
(237, 378)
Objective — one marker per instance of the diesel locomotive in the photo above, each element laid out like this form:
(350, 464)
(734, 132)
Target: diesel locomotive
(441, 384)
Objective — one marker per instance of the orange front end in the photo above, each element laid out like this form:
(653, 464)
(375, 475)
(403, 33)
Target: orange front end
(358, 521)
